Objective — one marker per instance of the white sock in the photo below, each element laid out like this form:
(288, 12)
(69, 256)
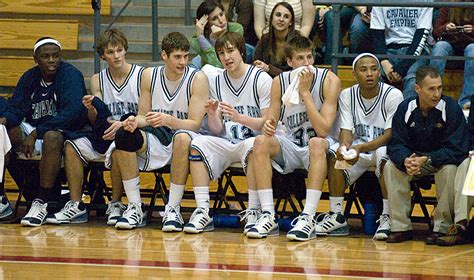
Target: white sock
(336, 203)
(254, 201)
(266, 199)
(201, 193)
(386, 210)
(312, 200)
(132, 189)
(176, 194)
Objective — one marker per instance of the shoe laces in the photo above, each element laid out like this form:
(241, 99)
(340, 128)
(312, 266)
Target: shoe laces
(301, 221)
(247, 213)
(323, 217)
(264, 218)
(198, 214)
(134, 211)
(113, 206)
(172, 214)
(67, 207)
(384, 220)
(37, 207)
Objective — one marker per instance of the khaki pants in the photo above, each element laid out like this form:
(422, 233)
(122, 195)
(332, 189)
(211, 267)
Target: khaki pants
(399, 197)
(462, 203)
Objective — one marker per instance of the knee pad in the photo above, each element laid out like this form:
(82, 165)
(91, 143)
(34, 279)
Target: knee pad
(128, 141)
(192, 157)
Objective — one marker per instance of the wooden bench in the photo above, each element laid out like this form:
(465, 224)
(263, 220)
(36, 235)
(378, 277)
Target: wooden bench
(23, 33)
(52, 7)
(452, 79)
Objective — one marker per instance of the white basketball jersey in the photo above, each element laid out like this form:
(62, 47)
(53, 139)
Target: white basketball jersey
(248, 99)
(294, 117)
(122, 99)
(174, 103)
(370, 122)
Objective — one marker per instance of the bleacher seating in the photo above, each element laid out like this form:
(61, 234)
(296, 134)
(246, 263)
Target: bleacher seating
(23, 33)
(12, 67)
(69, 7)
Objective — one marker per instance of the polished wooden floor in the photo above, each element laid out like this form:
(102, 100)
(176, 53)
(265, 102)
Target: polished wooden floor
(95, 251)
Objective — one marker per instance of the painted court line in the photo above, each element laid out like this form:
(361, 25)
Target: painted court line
(287, 270)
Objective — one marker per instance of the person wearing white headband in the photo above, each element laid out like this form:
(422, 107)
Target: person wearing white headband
(45, 110)
(366, 112)
(46, 40)
(362, 55)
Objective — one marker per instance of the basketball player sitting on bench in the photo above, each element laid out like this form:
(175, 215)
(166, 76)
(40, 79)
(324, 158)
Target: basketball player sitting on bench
(366, 112)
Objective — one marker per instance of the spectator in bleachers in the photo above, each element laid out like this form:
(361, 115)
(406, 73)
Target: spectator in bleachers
(366, 112)
(454, 32)
(45, 109)
(457, 233)
(359, 31)
(308, 121)
(170, 112)
(303, 9)
(115, 92)
(428, 138)
(241, 11)
(211, 23)
(405, 31)
(5, 209)
(270, 51)
(324, 22)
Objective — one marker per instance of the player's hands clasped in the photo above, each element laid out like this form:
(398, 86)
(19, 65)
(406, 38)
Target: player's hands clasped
(156, 119)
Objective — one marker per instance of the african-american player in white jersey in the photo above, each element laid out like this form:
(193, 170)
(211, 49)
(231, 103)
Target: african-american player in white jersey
(366, 112)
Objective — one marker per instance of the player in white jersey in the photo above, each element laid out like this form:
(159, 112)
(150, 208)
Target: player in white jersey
(240, 98)
(303, 145)
(118, 87)
(172, 98)
(366, 112)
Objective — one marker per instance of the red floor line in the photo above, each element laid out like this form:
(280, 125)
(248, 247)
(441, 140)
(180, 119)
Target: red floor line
(223, 267)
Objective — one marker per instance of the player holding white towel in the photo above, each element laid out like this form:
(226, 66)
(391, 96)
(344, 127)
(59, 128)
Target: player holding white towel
(367, 109)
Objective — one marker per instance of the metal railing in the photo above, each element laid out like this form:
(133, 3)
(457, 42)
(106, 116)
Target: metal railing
(337, 5)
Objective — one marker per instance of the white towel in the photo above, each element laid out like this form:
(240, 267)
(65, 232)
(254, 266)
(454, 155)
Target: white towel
(211, 72)
(292, 95)
(5, 147)
(347, 155)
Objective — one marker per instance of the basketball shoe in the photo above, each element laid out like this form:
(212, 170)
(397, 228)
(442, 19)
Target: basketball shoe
(200, 221)
(172, 221)
(266, 225)
(331, 224)
(72, 213)
(114, 211)
(132, 217)
(303, 228)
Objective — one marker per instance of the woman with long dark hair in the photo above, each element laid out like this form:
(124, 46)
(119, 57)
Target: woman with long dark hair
(270, 50)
